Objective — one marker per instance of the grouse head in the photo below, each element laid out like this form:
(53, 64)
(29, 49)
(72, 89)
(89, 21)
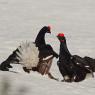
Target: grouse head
(40, 39)
(61, 37)
(46, 29)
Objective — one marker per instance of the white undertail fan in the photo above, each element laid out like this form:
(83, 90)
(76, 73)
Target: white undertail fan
(27, 55)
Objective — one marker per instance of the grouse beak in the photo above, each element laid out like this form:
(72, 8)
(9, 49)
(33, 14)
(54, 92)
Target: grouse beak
(57, 36)
(49, 29)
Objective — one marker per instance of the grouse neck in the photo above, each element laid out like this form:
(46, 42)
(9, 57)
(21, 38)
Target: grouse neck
(40, 39)
(64, 52)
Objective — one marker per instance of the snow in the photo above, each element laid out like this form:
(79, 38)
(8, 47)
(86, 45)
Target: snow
(20, 20)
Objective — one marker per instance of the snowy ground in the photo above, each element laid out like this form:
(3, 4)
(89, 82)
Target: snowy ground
(20, 20)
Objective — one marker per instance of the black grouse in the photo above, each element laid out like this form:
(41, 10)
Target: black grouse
(45, 50)
(67, 64)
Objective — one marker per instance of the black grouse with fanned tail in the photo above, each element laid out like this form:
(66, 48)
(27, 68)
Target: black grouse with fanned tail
(45, 50)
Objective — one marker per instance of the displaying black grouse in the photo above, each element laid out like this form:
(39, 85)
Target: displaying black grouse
(68, 65)
(46, 54)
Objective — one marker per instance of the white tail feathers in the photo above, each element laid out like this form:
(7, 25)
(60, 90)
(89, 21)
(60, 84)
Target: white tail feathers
(28, 55)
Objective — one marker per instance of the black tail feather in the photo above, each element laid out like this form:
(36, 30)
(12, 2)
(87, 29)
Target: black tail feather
(91, 62)
(11, 59)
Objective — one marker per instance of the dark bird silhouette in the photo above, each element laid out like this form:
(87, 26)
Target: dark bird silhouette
(68, 65)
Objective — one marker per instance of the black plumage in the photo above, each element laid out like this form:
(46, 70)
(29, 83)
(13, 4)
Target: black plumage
(67, 64)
